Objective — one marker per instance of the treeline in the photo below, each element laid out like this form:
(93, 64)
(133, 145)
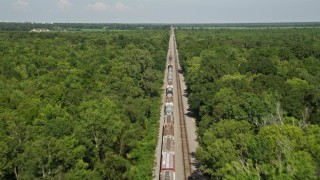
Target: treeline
(80, 105)
(15, 26)
(28, 26)
(251, 25)
(256, 96)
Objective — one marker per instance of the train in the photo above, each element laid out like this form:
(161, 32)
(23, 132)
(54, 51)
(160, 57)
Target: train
(167, 167)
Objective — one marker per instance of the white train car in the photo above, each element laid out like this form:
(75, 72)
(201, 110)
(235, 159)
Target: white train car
(169, 108)
(167, 175)
(167, 161)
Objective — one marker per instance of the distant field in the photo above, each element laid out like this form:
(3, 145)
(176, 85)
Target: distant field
(88, 27)
(250, 25)
(97, 27)
(231, 27)
(93, 30)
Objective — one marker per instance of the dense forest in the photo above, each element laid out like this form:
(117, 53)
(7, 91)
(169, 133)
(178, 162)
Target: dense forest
(256, 97)
(80, 105)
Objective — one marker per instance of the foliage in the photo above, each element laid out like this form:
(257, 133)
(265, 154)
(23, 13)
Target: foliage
(255, 94)
(80, 105)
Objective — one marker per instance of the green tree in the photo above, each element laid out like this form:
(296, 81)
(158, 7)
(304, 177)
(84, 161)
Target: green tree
(225, 142)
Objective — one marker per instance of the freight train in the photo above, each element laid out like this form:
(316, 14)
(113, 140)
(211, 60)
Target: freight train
(167, 171)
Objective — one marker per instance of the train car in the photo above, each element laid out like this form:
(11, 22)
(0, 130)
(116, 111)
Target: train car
(169, 93)
(169, 108)
(167, 175)
(170, 69)
(168, 119)
(167, 169)
(168, 143)
(168, 130)
(169, 90)
(170, 77)
(167, 161)
(169, 99)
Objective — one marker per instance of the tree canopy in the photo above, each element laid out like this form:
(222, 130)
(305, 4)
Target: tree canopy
(255, 94)
(80, 105)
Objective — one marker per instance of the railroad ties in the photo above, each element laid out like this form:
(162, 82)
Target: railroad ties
(183, 128)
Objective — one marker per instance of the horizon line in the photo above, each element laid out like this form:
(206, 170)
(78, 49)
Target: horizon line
(162, 23)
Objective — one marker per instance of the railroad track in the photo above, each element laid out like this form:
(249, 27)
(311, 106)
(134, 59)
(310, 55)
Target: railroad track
(167, 159)
(168, 151)
(184, 137)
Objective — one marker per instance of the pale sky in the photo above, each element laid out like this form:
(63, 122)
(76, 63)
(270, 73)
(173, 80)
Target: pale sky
(160, 11)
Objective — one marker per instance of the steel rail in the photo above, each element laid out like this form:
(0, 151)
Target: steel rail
(183, 128)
